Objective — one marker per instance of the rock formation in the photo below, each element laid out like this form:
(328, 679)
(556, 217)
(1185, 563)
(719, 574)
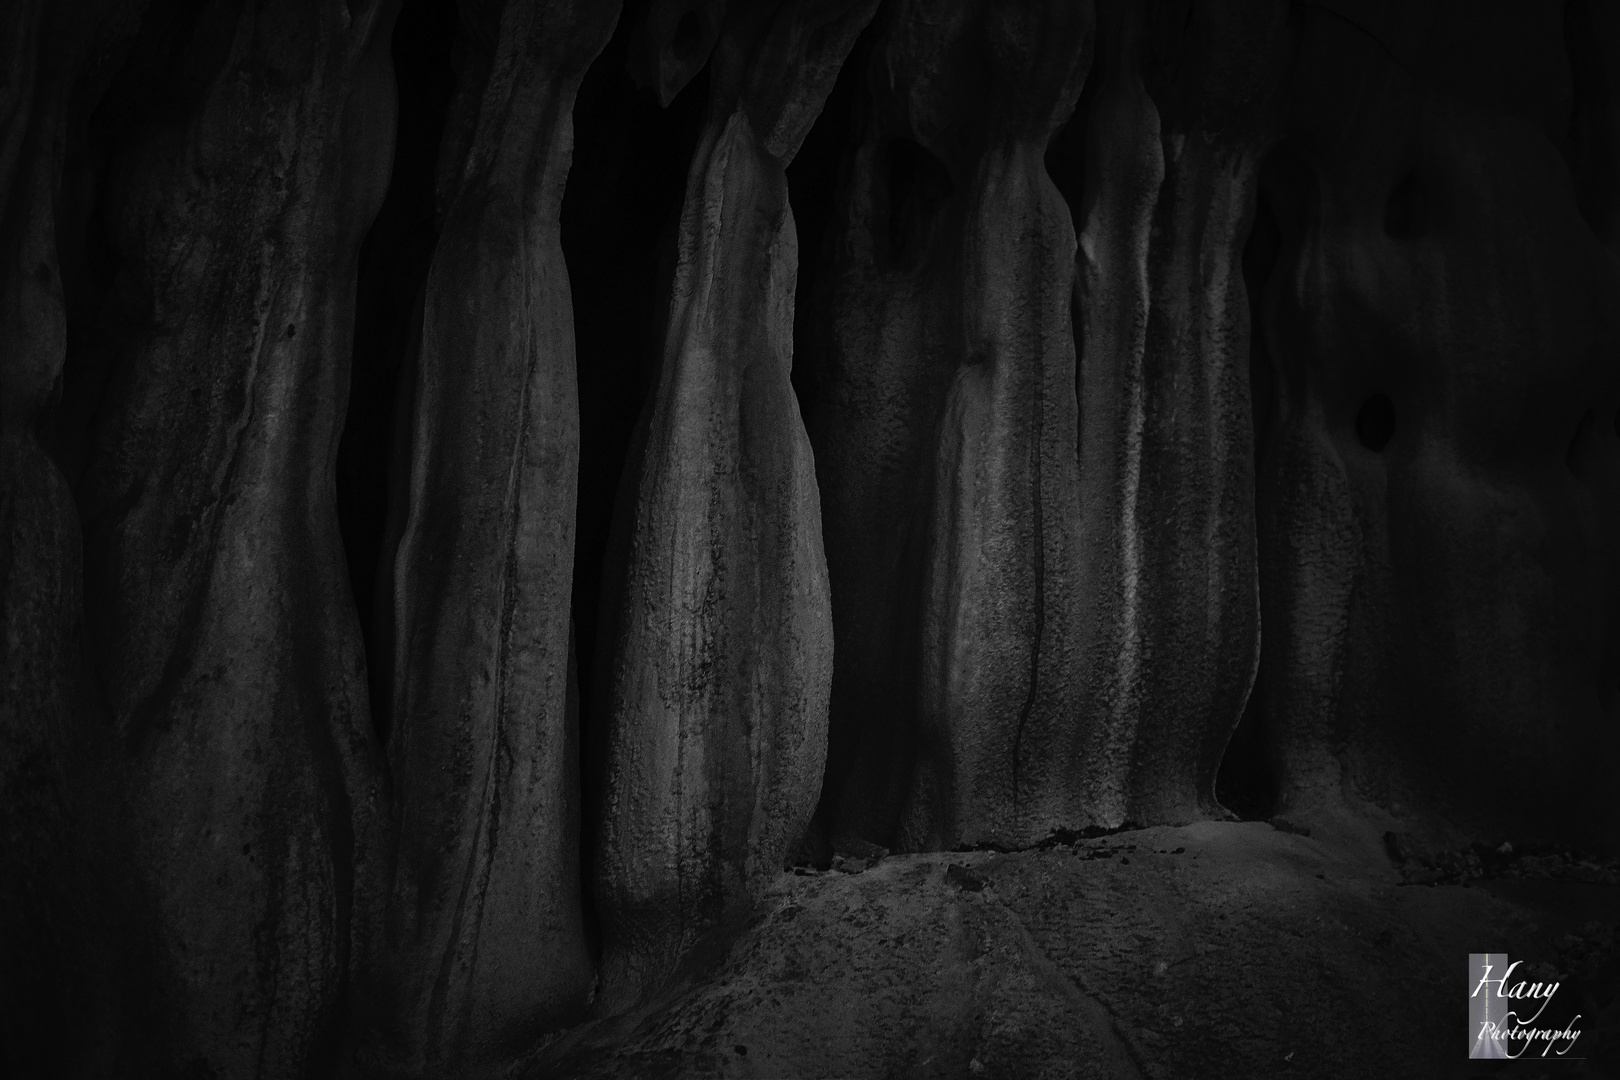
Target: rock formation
(1173, 135)
(949, 435)
(979, 410)
(240, 781)
(479, 948)
(1442, 327)
(717, 627)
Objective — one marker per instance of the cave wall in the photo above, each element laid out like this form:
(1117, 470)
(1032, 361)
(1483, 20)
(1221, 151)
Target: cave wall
(488, 483)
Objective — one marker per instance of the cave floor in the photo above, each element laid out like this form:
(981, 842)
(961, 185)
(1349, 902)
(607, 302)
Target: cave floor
(1219, 949)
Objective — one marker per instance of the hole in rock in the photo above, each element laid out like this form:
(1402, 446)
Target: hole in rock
(1375, 423)
(1401, 211)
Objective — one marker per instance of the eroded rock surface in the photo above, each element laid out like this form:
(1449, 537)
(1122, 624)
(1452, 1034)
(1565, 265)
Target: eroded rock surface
(1172, 137)
(474, 944)
(946, 421)
(236, 781)
(1442, 325)
(718, 625)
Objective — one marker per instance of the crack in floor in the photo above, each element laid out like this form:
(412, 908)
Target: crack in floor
(1125, 1058)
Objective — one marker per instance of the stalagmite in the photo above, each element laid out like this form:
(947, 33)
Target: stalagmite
(243, 777)
(1444, 322)
(480, 949)
(719, 626)
(1173, 137)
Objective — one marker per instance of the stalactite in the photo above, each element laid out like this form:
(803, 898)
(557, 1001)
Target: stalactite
(480, 948)
(1444, 323)
(719, 628)
(243, 773)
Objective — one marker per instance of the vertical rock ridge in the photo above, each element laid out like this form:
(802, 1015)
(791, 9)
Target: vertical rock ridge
(966, 520)
(721, 642)
(476, 948)
(1175, 134)
(243, 778)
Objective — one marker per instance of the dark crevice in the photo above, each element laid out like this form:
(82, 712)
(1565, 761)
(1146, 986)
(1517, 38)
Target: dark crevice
(1403, 209)
(1588, 148)
(815, 178)
(1038, 573)
(688, 36)
(394, 261)
(619, 214)
(1260, 254)
(1055, 839)
(917, 185)
(1065, 165)
(1375, 422)
(1245, 784)
(818, 179)
(1578, 457)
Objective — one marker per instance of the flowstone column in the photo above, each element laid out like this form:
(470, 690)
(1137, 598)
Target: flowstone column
(945, 422)
(242, 777)
(1173, 136)
(998, 691)
(478, 948)
(717, 620)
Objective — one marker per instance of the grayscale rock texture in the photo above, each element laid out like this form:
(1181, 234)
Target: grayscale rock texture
(549, 538)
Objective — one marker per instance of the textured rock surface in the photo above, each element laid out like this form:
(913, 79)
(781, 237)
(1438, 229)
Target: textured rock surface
(946, 418)
(996, 695)
(719, 629)
(240, 776)
(1173, 132)
(1212, 950)
(1011, 564)
(517, 798)
(477, 946)
(1442, 324)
